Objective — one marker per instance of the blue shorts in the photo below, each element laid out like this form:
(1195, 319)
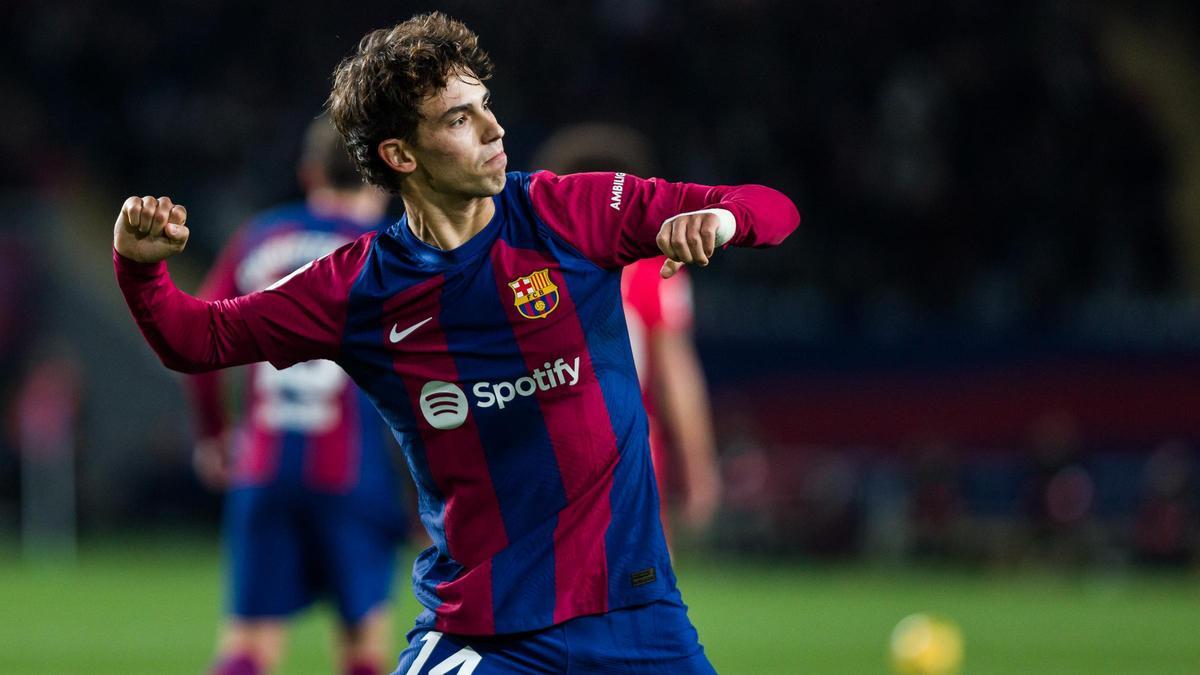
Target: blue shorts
(286, 548)
(648, 639)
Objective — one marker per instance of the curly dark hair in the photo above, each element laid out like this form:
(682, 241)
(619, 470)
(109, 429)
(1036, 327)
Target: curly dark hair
(377, 91)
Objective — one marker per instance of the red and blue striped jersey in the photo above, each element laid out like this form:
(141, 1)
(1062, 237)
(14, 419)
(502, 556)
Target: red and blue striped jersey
(504, 369)
(307, 425)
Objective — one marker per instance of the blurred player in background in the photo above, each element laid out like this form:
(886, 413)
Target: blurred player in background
(313, 498)
(658, 312)
(486, 326)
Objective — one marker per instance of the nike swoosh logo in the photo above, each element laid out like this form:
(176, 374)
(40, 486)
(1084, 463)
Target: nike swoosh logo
(398, 336)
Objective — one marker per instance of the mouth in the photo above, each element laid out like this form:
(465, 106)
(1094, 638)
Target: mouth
(499, 159)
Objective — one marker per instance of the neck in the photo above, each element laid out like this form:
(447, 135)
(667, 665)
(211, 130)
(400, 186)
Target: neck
(445, 221)
(361, 206)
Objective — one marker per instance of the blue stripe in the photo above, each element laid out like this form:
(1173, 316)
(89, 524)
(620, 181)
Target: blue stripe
(520, 458)
(377, 482)
(292, 448)
(369, 364)
(376, 472)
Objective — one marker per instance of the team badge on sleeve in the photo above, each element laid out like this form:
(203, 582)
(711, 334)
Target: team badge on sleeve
(535, 295)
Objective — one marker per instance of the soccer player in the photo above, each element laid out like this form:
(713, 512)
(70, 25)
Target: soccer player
(313, 504)
(658, 313)
(486, 326)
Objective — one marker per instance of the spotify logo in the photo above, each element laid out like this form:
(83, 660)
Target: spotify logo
(444, 405)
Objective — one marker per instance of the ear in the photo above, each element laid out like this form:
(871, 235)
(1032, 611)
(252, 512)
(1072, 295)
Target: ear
(397, 154)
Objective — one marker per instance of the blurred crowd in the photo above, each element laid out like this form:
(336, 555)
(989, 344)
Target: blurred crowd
(965, 163)
(967, 171)
(1048, 502)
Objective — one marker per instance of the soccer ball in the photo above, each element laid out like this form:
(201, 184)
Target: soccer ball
(926, 645)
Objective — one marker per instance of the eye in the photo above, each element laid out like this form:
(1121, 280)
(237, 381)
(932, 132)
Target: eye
(458, 122)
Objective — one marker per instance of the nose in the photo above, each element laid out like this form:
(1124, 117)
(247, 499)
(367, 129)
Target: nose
(492, 131)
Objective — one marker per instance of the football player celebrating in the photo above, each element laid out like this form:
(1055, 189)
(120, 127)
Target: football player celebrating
(486, 327)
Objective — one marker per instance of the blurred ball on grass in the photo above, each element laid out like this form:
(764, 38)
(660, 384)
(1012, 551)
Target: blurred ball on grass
(922, 644)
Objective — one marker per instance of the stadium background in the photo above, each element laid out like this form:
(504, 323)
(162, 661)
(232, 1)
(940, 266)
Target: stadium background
(970, 384)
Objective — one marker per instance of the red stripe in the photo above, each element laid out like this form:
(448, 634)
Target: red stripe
(260, 463)
(472, 590)
(331, 462)
(580, 431)
(456, 459)
(258, 448)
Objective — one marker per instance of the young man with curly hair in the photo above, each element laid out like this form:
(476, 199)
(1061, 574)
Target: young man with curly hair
(486, 327)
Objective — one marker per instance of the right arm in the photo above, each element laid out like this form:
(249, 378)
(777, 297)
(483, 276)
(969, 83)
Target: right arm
(298, 319)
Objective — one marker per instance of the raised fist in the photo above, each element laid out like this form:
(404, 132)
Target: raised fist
(149, 229)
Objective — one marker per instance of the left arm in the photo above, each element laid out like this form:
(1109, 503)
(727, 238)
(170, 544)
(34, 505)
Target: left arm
(614, 218)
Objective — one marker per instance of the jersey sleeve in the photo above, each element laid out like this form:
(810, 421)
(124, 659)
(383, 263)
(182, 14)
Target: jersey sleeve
(298, 319)
(614, 218)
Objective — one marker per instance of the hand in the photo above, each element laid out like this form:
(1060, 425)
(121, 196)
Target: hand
(213, 462)
(149, 230)
(691, 238)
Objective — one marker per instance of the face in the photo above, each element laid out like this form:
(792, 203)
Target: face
(459, 149)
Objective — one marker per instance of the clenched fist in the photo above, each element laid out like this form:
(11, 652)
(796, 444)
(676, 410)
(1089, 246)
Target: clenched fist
(149, 230)
(691, 238)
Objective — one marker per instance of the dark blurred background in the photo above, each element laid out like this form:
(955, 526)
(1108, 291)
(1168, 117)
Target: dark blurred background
(983, 345)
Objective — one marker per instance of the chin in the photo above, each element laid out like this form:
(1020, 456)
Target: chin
(495, 184)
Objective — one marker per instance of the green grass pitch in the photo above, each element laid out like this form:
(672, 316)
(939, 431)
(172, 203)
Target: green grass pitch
(151, 606)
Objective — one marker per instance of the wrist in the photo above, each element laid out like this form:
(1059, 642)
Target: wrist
(129, 264)
(726, 222)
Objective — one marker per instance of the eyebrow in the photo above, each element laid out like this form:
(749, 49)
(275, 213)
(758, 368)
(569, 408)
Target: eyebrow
(463, 107)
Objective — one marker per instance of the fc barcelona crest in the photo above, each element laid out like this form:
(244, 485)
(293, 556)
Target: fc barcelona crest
(535, 295)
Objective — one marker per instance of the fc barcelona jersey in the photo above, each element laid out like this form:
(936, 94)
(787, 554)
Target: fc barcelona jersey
(503, 368)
